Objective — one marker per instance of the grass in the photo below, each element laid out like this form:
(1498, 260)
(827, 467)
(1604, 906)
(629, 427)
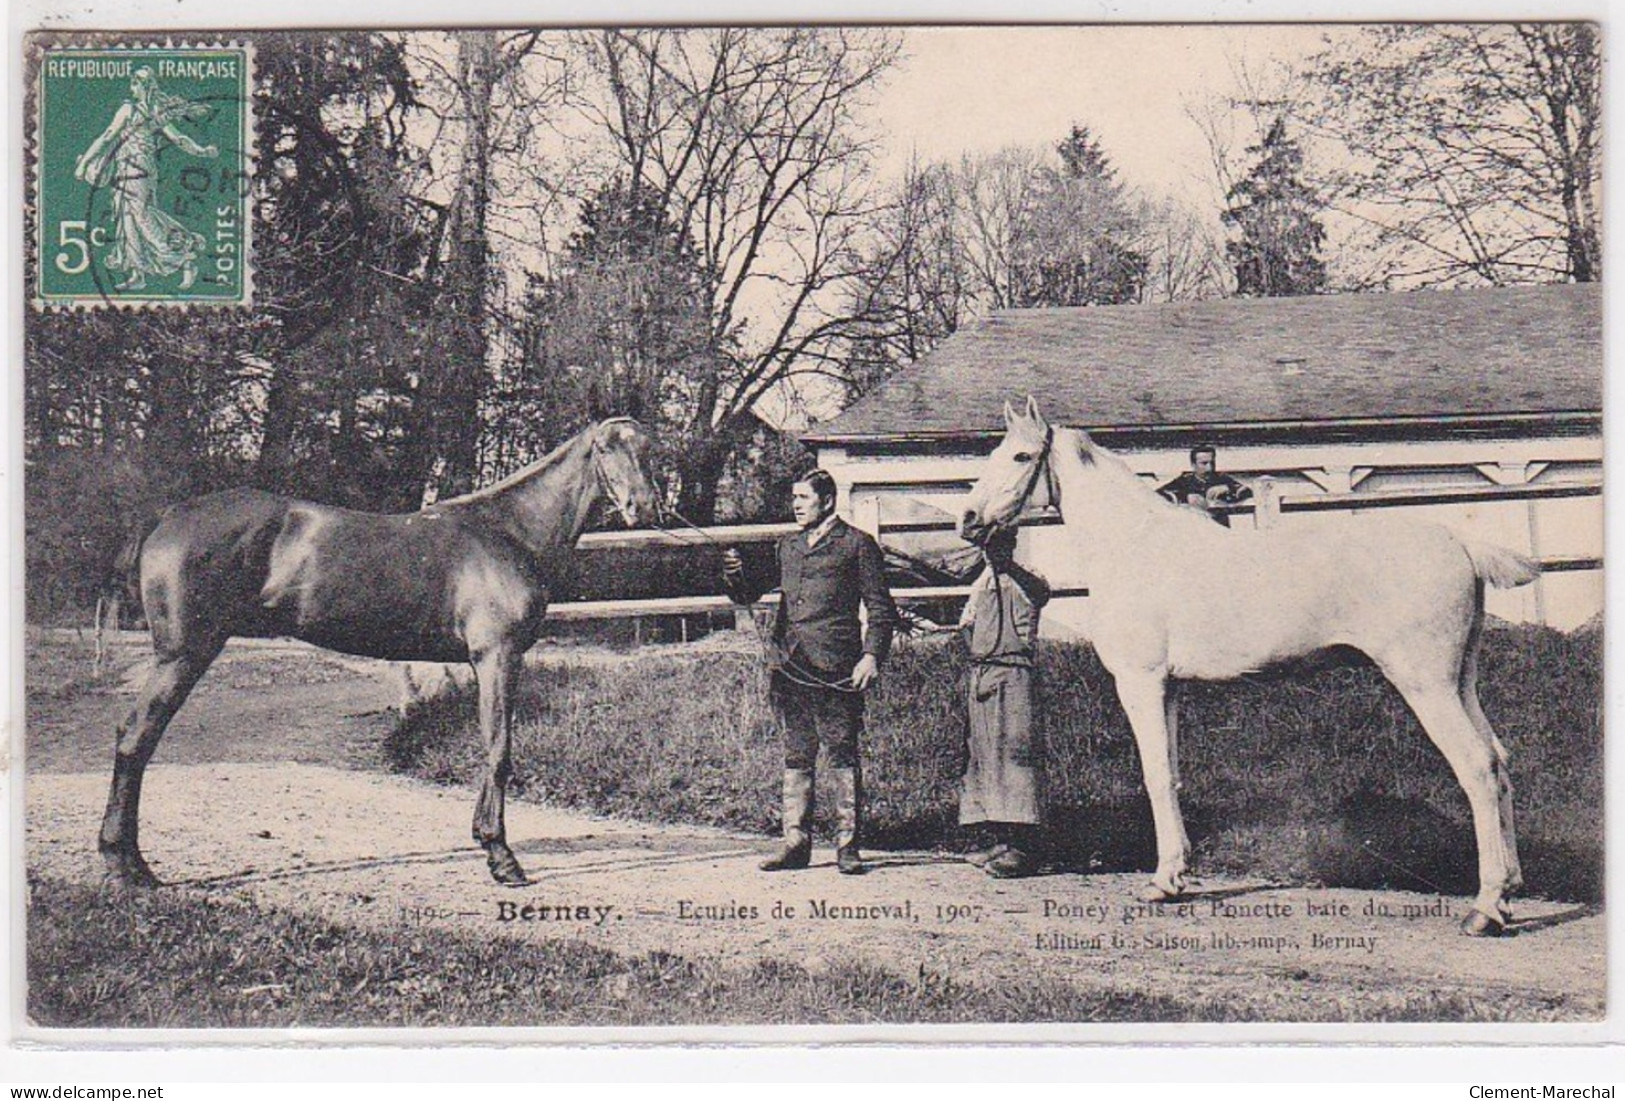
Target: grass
(1314, 775)
(177, 959)
(62, 669)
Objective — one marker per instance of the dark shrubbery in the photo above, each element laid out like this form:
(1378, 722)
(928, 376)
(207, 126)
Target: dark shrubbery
(1313, 774)
(81, 510)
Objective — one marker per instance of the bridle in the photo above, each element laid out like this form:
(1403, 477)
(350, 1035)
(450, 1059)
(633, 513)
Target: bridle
(1041, 464)
(605, 485)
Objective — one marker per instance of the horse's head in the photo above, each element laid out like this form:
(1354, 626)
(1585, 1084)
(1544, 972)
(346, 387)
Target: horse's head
(620, 454)
(1016, 475)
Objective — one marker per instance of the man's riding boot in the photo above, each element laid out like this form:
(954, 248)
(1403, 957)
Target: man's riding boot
(848, 820)
(798, 812)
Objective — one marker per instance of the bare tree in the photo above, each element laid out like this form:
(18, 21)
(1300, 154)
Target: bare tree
(1184, 254)
(751, 137)
(490, 102)
(995, 197)
(1017, 228)
(918, 288)
(934, 294)
(1049, 227)
(1471, 151)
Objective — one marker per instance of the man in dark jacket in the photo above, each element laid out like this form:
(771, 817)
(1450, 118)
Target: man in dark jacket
(821, 660)
(1202, 486)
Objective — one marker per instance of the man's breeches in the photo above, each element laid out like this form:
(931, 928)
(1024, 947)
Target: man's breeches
(1003, 774)
(808, 715)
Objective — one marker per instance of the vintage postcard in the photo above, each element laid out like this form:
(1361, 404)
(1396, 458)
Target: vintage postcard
(768, 533)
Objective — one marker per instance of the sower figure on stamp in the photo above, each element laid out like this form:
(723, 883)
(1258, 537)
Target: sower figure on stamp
(1003, 784)
(1202, 486)
(820, 660)
(147, 240)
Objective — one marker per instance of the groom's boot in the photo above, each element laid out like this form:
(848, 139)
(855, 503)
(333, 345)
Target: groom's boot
(1019, 857)
(848, 820)
(798, 811)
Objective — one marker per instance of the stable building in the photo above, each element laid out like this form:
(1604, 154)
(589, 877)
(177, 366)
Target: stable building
(1480, 409)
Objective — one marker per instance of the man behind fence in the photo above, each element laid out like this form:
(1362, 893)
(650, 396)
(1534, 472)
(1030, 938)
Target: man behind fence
(1202, 486)
(821, 660)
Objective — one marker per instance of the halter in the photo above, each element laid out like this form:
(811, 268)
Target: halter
(604, 485)
(1041, 461)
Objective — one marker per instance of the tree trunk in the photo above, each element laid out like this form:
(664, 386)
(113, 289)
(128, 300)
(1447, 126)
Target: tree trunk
(272, 467)
(700, 468)
(176, 455)
(456, 411)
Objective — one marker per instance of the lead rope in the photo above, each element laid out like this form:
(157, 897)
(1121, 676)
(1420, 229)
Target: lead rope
(790, 672)
(798, 676)
(1047, 469)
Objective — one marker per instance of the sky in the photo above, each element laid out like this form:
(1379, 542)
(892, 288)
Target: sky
(978, 89)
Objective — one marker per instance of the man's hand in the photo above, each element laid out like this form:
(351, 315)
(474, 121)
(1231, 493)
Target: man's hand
(731, 562)
(912, 623)
(1218, 495)
(865, 672)
(1196, 500)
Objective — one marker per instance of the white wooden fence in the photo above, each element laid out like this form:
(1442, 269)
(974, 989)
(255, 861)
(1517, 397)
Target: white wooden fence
(1266, 508)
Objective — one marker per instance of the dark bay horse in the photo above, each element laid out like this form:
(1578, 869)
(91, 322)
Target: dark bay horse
(465, 580)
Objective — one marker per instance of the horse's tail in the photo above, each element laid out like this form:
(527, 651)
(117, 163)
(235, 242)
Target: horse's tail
(126, 576)
(1502, 568)
(124, 579)
(121, 584)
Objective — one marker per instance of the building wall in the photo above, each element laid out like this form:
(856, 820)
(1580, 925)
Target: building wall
(883, 486)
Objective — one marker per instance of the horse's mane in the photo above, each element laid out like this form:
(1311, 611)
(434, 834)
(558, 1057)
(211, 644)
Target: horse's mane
(531, 470)
(1112, 466)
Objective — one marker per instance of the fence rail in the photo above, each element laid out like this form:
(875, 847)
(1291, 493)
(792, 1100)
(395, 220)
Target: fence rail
(700, 605)
(734, 534)
(1443, 495)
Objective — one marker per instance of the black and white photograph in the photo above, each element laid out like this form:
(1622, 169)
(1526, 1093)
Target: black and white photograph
(811, 532)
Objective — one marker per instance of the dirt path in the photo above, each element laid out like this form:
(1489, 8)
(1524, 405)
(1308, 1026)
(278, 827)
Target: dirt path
(387, 852)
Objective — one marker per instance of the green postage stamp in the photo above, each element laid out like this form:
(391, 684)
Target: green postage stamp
(142, 177)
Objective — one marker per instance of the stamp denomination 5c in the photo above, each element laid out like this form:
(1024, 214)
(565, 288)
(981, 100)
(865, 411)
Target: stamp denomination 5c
(143, 177)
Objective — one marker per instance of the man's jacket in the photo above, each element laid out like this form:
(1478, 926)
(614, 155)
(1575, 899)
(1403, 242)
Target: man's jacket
(821, 588)
(1188, 483)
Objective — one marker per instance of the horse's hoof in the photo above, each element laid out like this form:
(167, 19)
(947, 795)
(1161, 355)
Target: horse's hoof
(1154, 893)
(507, 871)
(1479, 924)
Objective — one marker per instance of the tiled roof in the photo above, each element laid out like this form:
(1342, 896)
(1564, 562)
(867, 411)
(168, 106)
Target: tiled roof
(1482, 353)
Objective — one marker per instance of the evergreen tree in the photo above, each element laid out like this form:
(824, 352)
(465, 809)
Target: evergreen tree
(1277, 254)
(129, 411)
(1080, 243)
(624, 328)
